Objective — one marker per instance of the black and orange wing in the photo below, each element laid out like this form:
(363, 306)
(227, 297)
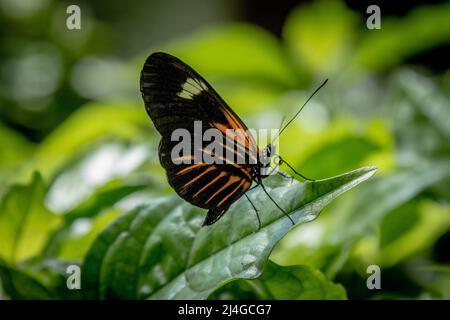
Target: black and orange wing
(175, 97)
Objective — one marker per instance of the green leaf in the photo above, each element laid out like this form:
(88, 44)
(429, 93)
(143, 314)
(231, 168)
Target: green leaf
(296, 283)
(328, 244)
(431, 220)
(245, 64)
(14, 151)
(320, 36)
(283, 283)
(84, 222)
(73, 241)
(423, 28)
(159, 251)
(17, 284)
(392, 190)
(37, 280)
(235, 50)
(398, 222)
(426, 97)
(420, 123)
(92, 175)
(25, 223)
(332, 157)
(78, 131)
(104, 197)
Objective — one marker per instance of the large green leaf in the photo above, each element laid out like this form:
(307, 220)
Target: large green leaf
(160, 251)
(25, 223)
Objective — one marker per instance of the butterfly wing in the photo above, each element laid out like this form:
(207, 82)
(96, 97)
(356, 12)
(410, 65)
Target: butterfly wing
(176, 97)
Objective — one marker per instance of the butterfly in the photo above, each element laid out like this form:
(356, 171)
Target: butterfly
(177, 97)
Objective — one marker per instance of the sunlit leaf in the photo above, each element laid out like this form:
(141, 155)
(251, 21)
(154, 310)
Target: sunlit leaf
(93, 121)
(235, 50)
(81, 177)
(332, 157)
(320, 36)
(14, 151)
(25, 223)
(105, 197)
(245, 64)
(398, 222)
(431, 222)
(73, 241)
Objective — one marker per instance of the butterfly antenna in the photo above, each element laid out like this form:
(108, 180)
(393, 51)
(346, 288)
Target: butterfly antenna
(281, 123)
(300, 110)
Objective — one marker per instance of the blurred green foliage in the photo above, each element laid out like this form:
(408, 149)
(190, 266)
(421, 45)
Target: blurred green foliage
(78, 151)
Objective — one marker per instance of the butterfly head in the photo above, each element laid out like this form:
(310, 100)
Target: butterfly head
(269, 150)
(265, 160)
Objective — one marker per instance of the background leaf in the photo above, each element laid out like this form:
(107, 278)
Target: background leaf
(315, 45)
(328, 245)
(291, 283)
(25, 223)
(37, 280)
(423, 28)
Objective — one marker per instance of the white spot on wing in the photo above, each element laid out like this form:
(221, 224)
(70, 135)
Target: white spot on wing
(191, 87)
(185, 95)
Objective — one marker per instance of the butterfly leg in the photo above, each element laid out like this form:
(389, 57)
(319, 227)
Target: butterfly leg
(256, 210)
(295, 171)
(281, 173)
(276, 204)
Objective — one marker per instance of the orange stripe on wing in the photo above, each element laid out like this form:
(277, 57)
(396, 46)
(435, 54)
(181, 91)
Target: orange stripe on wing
(233, 179)
(245, 169)
(220, 175)
(199, 176)
(243, 141)
(191, 167)
(232, 192)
